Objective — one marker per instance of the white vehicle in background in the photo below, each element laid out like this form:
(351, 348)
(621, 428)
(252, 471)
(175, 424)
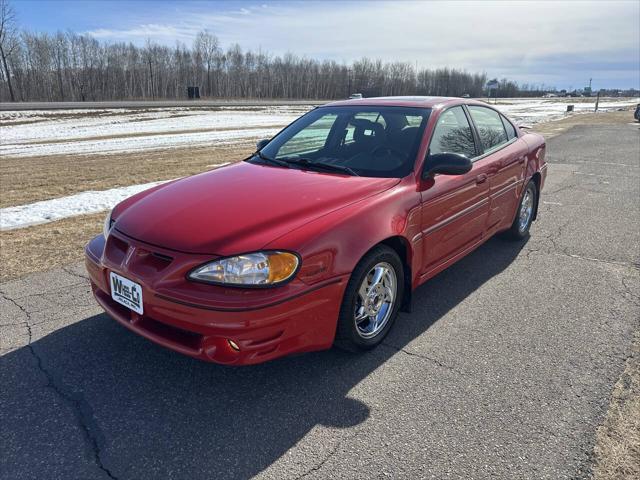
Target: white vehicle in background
(355, 96)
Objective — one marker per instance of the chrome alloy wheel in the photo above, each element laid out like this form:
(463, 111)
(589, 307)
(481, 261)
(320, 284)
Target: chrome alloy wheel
(526, 209)
(376, 299)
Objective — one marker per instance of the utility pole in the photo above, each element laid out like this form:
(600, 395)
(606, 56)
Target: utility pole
(151, 75)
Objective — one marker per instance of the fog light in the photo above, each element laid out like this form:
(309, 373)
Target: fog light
(233, 345)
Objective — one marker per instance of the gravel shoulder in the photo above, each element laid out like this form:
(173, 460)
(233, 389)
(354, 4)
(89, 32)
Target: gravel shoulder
(505, 368)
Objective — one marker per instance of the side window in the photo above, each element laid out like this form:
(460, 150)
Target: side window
(453, 134)
(511, 130)
(490, 127)
(310, 139)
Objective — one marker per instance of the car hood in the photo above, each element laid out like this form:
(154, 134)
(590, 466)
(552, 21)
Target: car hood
(239, 208)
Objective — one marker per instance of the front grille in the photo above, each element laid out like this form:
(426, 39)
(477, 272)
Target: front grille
(184, 338)
(140, 260)
(175, 335)
(116, 249)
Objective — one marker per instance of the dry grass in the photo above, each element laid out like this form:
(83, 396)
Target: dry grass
(617, 448)
(26, 180)
(43, 247)
(551, 129)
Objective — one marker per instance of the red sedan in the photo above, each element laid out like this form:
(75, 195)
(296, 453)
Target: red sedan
(319, 238)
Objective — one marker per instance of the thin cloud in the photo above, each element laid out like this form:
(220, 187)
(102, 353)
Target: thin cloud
(152, 31)
(521, 40)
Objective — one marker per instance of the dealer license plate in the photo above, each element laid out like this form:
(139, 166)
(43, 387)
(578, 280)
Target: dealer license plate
(126, 292)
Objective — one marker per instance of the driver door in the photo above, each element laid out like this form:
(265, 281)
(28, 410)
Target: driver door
(455, 209)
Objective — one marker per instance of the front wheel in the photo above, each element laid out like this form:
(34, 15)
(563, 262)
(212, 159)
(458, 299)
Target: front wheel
(524, 216)
(371, 300)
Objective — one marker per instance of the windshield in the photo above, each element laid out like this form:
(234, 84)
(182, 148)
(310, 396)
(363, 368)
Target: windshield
(367, 141)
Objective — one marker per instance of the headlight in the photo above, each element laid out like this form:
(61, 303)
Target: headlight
(106, 227)
(259, 269)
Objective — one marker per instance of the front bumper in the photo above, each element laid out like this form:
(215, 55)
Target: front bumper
(300, 319)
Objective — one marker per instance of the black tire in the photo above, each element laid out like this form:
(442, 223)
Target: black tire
(518, 231)
(347, 334)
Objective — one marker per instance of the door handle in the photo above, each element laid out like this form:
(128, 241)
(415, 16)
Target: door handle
(521, 160)
(481, 178)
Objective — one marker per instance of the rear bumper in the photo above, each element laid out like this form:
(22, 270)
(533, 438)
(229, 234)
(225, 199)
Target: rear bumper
(305, 322)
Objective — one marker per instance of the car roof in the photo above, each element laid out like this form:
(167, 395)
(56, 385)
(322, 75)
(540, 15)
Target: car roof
(415, 101)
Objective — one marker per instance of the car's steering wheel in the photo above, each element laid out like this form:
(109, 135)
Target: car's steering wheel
(387, 149)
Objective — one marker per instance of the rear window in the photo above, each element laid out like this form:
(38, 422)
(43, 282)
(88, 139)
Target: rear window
(490, 127)
(508, 126)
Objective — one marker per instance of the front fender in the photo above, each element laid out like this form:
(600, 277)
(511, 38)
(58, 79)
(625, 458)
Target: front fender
(333, 245)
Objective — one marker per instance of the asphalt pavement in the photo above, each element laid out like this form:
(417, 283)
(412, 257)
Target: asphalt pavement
(503, 370)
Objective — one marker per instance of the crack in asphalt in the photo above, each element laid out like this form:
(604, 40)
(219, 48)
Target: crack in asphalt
(564, 188)
(333, 451)
(563, 253)
(554, 237)
(19, 324)
(599, 260)
(424, 357)
(635, 298)
(75, 274)
(81, 408)
(556, 249)
(52, 292)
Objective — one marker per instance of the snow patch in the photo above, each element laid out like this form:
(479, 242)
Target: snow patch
(80, 204)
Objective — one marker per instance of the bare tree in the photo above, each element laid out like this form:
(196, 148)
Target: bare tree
(71, 66)
(8, 40)
(207, 48)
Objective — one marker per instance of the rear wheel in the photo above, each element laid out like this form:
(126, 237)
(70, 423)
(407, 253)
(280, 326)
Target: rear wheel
(524, 216)
(371, 300)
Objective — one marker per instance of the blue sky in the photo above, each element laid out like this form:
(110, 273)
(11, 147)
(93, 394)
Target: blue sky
(557, 43)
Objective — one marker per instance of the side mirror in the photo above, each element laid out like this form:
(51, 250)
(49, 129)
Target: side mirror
(261, 144)
(446, 164)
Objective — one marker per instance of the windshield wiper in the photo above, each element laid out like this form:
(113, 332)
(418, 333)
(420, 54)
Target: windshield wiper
(306, 162)
(273, 161)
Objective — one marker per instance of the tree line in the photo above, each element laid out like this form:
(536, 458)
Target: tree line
(68, 66)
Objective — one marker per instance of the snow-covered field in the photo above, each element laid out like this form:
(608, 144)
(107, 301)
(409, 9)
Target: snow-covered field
(138, 144)
(26, 134)
(82, 132)
(525, 111)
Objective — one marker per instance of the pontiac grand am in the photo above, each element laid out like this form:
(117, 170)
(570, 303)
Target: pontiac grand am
(321, 236)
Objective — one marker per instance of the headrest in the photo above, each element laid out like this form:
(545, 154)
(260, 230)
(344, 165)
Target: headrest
(367, 131)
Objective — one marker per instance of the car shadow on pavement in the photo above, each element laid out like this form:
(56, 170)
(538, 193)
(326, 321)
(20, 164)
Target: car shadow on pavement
(140, 411)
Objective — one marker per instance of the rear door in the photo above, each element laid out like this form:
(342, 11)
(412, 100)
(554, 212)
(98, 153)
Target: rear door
(455, 209)
(506, 156)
